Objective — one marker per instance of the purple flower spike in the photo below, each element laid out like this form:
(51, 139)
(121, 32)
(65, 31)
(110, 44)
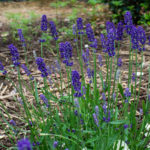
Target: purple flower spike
(55, 144)
(119, 32)
(97, 110)
(45, 100)
(76, 102)
(44, 23)
(96, 119)
(53, 30)
(41, 66)
(90, 33)
(119, 63)
(14, 54)
(134, 38)
(133, 77)
(128, 18)
(66, 53)
(26, 69)
(2, 69)
(125, 126)
(90, 73)
(12, 122)
(104, 96)
(94, 44)
(80, 25)
(127, 93)
(21, 37)
(24, 144)
(76, 83)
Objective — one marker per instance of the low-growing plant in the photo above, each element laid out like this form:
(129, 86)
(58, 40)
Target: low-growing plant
(19, 21)
(86, 110)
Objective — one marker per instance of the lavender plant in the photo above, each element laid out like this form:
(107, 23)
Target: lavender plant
(86, 115)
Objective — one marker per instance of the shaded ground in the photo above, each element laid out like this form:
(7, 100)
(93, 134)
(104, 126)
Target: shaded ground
(7, 90)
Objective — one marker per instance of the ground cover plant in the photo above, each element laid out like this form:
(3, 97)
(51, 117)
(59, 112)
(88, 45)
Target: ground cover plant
(90, 111)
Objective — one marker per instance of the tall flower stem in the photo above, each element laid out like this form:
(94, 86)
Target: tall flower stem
(129, 73)
(42, 49)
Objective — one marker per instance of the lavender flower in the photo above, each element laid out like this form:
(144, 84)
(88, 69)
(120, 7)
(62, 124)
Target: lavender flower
(100, 60)
(21, 36)
(127, 93)
(125, 126)
(83, 90)
(90, 73)
(79, 25)
(119, 32)
(24, 144)
(94, 44)
(149, 97)
(2, 69)
(134, 38)
(45, 100)
(148, 40)
(53, 30)
(97, 110)
(44, 23)
(141, 38)
(74, 29)
(42, 40)
(48, 70)
(119, 63)
(85, 58)
(12, 122)
(96, 119)
(41, 66)
(26, 69)
(133, 76)
(55, 144)
(76, 102)
(90, 33)
(128, 18)
(105, 107)
(104, 96)
(128, 21)
(111, 31)
(66, 52)
(76, 112)
(76, 83)
(15, 54)
(107, 118)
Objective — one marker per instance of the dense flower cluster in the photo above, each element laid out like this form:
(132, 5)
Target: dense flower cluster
(128, 21)
(90, 33)
(53, 30)
(44, 23)
(141, 38)
(55, 144)
(44, 99)
(14, 54)
(21, 37)
(127, 94)
(80, 25)
(76, 83)
(24, 144)
(119, 32)
(2, 68)
(90, 73)
(103, 42)
(134, 38)
(41, 66)
(66, 52)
